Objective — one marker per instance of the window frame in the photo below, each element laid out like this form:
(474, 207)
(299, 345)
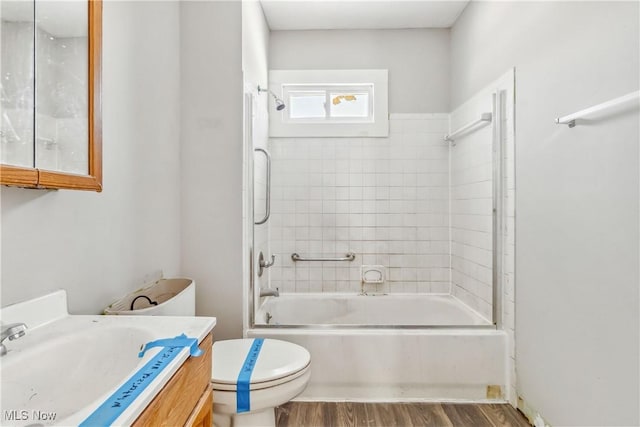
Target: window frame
(327, 90)
(375, 125)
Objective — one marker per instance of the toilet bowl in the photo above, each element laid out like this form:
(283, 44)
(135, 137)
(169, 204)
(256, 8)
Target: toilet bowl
(281, 372)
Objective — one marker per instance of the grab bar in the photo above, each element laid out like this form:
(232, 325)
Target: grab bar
(267, 213)
(350, 256)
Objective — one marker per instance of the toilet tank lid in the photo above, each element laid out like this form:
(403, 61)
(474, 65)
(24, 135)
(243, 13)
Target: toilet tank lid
(277, 359)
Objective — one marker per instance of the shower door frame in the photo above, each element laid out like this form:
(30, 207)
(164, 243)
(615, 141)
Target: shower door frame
(498, 206)
(499, 104)
(249, 285)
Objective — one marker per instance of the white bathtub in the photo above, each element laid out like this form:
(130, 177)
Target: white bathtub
(386, 310)
(387, 363)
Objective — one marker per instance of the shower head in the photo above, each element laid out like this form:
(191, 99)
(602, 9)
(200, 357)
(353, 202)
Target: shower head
(280, 105)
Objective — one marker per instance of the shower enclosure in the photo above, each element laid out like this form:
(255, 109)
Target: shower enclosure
(383, 245)
(414, 209)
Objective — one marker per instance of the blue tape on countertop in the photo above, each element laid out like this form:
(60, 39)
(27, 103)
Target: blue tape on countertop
(179, 341)
(243, 401)
(120, 400)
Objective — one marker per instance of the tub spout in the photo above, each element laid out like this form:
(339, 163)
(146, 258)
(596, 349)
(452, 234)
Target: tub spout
(268, 292)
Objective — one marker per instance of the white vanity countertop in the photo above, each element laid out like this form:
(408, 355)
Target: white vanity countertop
(69, 365)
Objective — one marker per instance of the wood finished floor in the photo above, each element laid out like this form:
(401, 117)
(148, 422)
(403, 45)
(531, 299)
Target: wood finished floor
(354, 414)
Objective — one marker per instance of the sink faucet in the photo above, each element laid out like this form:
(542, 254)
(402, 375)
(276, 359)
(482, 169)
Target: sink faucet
(268, 292)
(12, 331)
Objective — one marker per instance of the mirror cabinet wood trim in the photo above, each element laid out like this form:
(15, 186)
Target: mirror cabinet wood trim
(40, 178)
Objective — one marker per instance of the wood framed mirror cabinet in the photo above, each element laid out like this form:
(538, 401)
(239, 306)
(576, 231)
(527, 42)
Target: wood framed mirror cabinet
(51, 83)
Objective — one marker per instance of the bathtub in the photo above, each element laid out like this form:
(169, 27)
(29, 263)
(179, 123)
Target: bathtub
(390, 347)
(382, 310)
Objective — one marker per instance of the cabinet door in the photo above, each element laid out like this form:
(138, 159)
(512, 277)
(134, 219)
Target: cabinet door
(62, 86)
(50, 84)
(202, 415)
(17, 83)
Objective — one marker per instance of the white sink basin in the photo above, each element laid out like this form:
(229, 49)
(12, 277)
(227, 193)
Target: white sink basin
(69, 372)
(61, 371)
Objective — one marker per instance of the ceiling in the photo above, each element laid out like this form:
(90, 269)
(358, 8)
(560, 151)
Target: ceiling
(360, 14)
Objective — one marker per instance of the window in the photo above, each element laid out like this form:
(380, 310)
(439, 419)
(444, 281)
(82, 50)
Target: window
(305, 104)
(352, 103)
(329, 103)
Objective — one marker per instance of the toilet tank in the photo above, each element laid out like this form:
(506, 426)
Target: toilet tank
(172, 297)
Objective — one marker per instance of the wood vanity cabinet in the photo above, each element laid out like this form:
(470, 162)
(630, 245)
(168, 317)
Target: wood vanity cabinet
(202, 415)
(186, 400)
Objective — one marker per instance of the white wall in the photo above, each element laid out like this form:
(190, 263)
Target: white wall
(577, 324)
(255, 43)
(211, 158)
(100, 246)
(417, 60)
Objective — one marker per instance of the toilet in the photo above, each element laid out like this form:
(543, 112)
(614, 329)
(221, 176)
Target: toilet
(280, 373)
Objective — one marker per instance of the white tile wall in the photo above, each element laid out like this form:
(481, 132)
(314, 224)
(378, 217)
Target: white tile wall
(385, 199)
(472, 213)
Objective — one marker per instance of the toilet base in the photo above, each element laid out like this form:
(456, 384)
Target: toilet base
(264, 401)
(264, 418)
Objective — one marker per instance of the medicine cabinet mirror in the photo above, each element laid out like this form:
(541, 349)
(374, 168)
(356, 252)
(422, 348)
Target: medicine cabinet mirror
(50, 82)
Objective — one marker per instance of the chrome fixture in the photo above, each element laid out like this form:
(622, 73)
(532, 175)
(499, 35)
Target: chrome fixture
(268, 292)
(350, 256)
(267, 209)
(485, 118)
(263, 264)
(614, 104)
(280, 105)
(11, 332)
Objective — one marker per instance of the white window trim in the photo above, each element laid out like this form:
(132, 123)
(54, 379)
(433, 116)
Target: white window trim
(281, 127)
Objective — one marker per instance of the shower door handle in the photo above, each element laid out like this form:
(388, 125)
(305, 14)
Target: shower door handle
(267, 212)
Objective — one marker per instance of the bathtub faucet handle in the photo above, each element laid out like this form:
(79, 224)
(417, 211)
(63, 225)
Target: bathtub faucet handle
(263, 264)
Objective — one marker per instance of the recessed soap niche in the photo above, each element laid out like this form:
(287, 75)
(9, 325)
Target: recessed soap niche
(372, 274)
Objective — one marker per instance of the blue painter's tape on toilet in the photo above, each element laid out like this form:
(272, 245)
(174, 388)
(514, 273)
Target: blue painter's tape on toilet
(243, 400)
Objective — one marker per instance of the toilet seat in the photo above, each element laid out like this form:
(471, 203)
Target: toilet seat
(260, 386)
(279, 362)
